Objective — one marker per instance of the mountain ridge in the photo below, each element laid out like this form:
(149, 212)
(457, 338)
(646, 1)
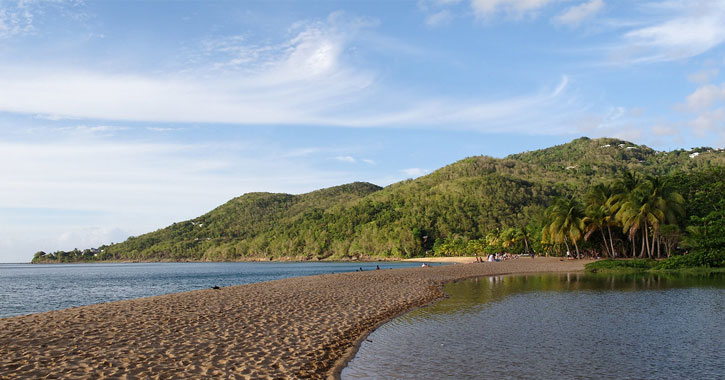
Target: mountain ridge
(463, 200)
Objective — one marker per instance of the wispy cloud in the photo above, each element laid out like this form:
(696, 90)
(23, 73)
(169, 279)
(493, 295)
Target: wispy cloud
(348, 159)
(709, 121)
(707, 105)
(573, 16)
(686, 30)
(297, 81)
(414, 172)
(16, 17)
(486, 9)
(137, 186)
(305, 80)
(705, 96)
(704, 75)
(442, 17)
(527, 113)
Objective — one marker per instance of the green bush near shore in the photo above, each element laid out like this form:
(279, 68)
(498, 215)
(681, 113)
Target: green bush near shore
(699, 260)
(627, 265)
(708, 259)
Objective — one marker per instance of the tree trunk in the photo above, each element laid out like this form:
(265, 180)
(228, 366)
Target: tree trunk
(604, 240)
(641, 251)
(611, 242)
(577, 249)
(567, 248)
(646, 239)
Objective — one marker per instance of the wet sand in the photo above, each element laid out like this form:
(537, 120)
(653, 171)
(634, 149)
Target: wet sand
(299, 328)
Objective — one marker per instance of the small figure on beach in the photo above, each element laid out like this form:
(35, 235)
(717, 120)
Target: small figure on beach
(361, 269)
(377, 267)
(424, 265)
(215, 287)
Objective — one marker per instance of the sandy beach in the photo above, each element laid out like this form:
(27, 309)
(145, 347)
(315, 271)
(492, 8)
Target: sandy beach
(300, 328)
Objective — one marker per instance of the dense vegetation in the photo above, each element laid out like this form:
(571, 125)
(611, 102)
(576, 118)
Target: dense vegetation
(479, 204)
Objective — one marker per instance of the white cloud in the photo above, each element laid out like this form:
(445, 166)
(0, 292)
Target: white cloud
(296, 81)
(705, 96)
(711, 120)
(414, 172)
(306, 85)
(16, 17)
(704, 76)
(629, 134)
(439, 18)
(348, 159)
(694, 29)
(87, 237)
(707, 103)
(162, 129)
(485, 9)
(106, 130)
(301, 152)
(368, 161)
(664, 130)
(538, 113)
(573, 16)
(134, 186)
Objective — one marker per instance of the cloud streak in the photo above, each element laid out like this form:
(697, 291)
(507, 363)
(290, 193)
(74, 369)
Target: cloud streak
(486, 9)
(574, 16)
(305, 80)
(688, 30)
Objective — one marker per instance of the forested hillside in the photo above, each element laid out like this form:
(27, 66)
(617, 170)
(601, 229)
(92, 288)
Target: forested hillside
(449, 211)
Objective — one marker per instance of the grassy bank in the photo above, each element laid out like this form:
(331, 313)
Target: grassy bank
(694, 262)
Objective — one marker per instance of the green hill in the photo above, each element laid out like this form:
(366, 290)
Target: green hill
(462, 201)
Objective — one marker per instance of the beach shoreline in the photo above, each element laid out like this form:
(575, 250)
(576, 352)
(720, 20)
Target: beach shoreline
(306, 327)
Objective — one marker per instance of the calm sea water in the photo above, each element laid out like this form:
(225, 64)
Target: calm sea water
(26, 288)
(575, 326)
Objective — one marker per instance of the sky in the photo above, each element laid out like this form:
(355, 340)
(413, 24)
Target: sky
(121, 117)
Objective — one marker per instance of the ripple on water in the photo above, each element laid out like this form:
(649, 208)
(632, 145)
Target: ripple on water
(556, 326)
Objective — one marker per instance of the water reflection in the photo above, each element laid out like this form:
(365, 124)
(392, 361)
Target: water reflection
(574, 325)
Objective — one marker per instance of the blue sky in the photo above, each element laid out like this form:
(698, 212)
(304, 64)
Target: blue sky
(121, 117)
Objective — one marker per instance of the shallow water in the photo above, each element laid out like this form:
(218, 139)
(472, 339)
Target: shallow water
(26, 288)
(582, 326)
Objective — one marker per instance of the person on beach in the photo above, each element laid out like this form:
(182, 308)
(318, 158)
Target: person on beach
(377, 267)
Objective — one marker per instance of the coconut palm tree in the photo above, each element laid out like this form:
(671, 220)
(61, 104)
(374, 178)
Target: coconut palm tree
(566, 222)
(669, 208)
(600, 215)
(651, 204)
(638, 212)
(623, 190)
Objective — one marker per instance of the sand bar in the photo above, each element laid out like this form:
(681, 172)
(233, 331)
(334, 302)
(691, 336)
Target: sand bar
(299, 328)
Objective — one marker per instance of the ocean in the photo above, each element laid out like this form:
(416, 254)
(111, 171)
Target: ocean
(26, 288)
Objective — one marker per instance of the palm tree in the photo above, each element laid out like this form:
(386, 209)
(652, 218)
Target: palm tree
(600, 215)
(621, 191)
(566, 222)
(637, 212)
(669, 208)
(651, 204)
